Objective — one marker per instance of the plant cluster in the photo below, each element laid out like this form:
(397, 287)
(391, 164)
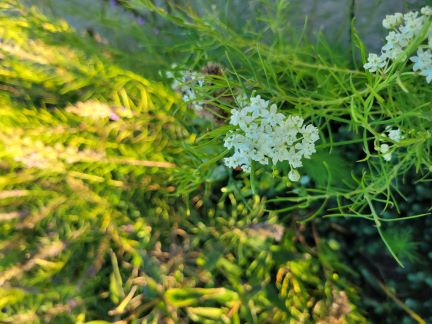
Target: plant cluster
(265, 135)
(404, 29)
(135, 190)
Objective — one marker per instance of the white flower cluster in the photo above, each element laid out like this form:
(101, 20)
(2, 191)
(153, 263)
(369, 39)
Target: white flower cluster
(395, 136)
(423, 63)
(186, 82)
(404, 28)
(264, 135)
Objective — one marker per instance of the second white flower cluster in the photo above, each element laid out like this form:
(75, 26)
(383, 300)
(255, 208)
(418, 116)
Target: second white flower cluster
(187, 82)
(266, 136)
(392, 135)
(404, 28)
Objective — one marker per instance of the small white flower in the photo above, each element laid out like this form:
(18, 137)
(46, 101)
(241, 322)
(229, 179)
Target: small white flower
(294, 175)
(423, 63)
(393, 21)
(306, 148)
(413, 24)
(186, 82)
(392, 51)
(384, 148)
(394, 134)
(295, 122)
(427, 11)
(428, 74)
(396, 40)
(310, 133)
(265, 136)
(168, 74)
(375, 62)
(294, 158)
(409, 16)
(387, 156)
(242, 100)
(271, 117)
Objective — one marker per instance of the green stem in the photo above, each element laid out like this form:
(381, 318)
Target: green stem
(378, 226)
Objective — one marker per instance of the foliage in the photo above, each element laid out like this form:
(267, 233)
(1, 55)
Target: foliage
(115, 202)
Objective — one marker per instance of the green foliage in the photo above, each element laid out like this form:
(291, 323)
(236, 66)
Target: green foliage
(114, 201)
(351, 107)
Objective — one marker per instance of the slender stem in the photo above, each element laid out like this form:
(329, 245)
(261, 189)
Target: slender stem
(378, 226)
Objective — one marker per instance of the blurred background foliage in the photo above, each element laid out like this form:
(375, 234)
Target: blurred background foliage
(92, 225)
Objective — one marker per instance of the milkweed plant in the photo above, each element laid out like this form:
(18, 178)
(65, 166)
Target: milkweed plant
(382, 120)
(183, 176)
